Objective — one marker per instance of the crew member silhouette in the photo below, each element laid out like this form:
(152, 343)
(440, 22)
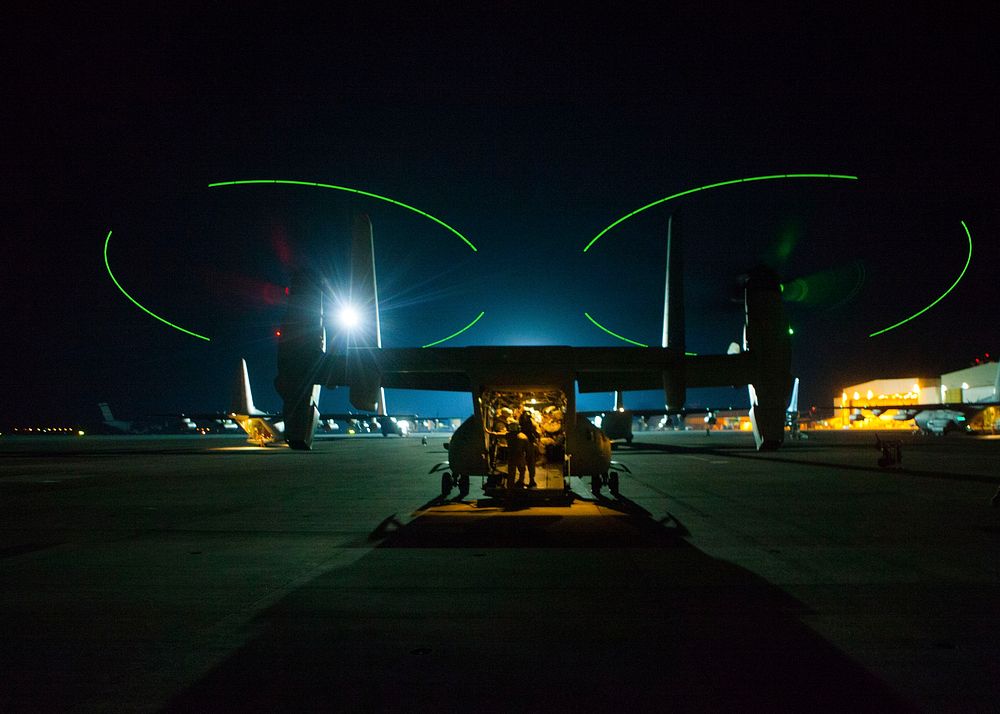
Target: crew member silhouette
(527, 427)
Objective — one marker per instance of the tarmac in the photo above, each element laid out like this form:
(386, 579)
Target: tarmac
(203, 574)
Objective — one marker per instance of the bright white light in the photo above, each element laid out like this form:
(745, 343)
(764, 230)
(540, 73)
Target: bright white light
(965, 385)
(348, 317)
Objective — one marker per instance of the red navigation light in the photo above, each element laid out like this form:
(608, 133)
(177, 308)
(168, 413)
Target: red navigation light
(277, 333)
(287, 291)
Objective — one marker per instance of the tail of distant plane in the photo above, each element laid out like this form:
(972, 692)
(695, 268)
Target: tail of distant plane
(793, 405)
(106, 412)
(110, 423)
(242, 398)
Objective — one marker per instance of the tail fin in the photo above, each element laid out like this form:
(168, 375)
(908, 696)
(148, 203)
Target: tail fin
(364, 287)
(242, 398)
(793, 405)
(674, 379)
(673, 294)
(365, 388)
(106, 411)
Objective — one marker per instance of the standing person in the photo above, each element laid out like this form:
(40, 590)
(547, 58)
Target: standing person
(515, 455)
(497, 435)
(527, 427)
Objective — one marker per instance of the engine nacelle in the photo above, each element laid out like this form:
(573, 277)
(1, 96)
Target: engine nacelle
(301, 361)
(467, 448)
(766, 338)
(675, 387)
(363, 379)
(589, 449)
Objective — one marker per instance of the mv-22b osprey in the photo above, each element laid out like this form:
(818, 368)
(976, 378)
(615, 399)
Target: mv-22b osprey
(504, 381)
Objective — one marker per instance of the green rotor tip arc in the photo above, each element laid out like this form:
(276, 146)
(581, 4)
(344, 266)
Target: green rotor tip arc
(624, 339)
(136, 302)
(456, 334)
(613, 334)
(348, 190)
(711, 186)
(952, 287)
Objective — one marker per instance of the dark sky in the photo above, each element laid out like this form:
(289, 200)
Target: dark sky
(528, 130)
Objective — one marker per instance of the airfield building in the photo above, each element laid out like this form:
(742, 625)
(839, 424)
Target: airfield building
(869, 405)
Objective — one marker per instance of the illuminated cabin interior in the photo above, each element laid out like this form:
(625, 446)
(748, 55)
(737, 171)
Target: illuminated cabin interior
(547, 409)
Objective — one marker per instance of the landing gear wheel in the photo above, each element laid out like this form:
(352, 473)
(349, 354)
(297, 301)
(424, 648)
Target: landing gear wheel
(463, 485)
(613, 483)
(628, 440)
(596, 481)
(446, 483)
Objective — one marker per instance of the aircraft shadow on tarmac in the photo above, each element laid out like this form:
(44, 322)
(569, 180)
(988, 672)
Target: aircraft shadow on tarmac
(518, 612)
(503, 523)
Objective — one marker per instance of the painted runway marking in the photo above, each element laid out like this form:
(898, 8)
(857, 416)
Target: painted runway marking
(704, 458)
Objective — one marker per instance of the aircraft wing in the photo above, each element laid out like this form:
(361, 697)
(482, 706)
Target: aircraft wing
(595, 369)
(347, 416)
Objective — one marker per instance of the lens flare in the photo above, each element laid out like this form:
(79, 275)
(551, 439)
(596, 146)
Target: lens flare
(349, 317)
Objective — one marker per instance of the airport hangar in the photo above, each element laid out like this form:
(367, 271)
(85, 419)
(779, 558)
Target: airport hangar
(853, 409)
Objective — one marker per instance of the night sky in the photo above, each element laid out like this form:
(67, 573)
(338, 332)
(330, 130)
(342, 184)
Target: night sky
(528, 131)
